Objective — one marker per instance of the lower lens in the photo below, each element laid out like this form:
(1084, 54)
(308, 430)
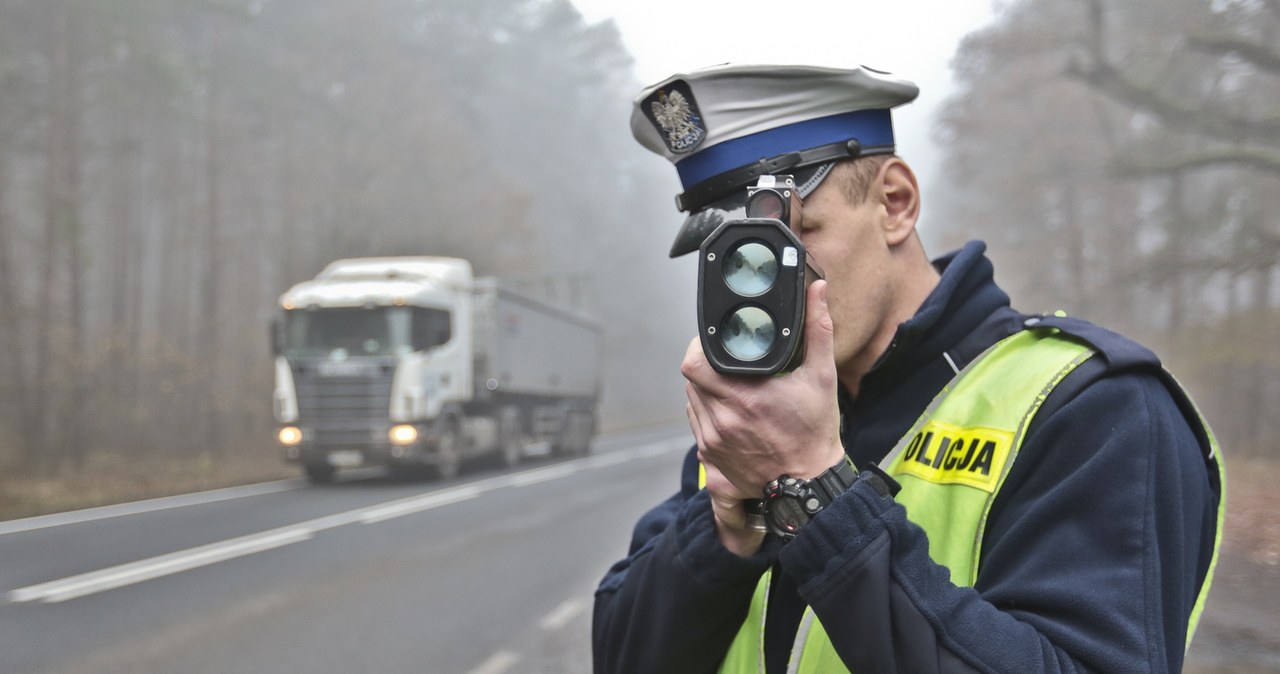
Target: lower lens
(750, 269)
(748, 333)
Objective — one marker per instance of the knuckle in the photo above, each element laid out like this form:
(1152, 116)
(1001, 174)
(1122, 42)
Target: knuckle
(690, 366)
(725, 422)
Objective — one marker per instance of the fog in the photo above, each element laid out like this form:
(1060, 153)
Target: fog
(168, 169)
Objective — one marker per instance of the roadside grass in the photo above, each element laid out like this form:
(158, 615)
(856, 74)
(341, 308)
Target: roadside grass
(1240, 630)
(1252, 528)
(109, 479)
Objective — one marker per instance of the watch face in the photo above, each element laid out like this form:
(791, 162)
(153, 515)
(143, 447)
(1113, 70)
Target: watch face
(787, 515)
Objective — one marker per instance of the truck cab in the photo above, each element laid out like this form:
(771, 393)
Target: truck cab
(411, 362)
(367, 354)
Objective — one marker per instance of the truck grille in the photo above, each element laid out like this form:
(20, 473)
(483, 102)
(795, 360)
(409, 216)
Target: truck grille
(344, 411)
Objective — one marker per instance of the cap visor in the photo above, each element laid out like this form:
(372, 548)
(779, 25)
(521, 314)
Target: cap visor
(698, 226)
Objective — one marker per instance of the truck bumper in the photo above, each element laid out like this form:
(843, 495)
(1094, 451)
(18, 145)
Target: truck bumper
(418, 453)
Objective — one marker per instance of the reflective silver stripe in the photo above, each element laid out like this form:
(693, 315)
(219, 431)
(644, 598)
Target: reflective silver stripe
(797, 648)
(951, 362)
(764, 619)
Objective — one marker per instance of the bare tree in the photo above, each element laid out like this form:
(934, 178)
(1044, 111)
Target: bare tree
(1129, 153)
(168, 169)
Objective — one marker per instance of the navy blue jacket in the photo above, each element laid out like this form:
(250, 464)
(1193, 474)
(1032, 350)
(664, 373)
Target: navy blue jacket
(1092, 559)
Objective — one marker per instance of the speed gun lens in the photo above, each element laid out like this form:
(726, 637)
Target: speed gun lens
(751, 269)
(749, 333)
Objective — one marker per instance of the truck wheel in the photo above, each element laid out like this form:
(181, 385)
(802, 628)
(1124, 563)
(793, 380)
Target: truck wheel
(448, 453)
(586, 430)
(319, 473)
(510, 436)
(575, 436)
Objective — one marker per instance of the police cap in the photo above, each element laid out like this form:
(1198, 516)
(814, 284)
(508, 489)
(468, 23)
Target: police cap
(726, 125)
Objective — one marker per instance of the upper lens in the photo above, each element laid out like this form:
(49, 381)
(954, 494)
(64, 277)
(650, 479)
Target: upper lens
(748, 333)
(765, 204)
(750, 269)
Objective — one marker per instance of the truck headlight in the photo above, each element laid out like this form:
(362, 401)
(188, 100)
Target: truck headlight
(403, 434)
(290, 436)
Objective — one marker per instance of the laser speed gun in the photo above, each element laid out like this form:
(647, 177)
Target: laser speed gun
(752, 275)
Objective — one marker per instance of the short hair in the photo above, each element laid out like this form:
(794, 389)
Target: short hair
(857, 175)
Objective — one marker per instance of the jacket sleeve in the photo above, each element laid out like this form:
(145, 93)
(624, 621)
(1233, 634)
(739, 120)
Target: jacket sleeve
(677, 600)
(1092, 559)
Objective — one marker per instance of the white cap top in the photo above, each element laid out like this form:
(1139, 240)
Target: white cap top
(731, 101)
(726, 125)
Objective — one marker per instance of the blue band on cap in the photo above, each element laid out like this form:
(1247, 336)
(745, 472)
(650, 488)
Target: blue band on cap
(869, 127)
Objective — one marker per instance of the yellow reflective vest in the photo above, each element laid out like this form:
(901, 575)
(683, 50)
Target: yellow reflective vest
(951, 465)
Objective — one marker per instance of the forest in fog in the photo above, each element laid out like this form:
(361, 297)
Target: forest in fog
(168, 168)
(1122, 159)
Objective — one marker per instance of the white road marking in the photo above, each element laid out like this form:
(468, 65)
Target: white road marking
(230, 493)
(191, 558)
(547, 474)
(497, 663)
(420, 503)
(150, 505)
(155, 567)
(562, 615)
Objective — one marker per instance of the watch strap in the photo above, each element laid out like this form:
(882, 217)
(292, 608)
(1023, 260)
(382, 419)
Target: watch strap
(818, 493)
(835, 480)
(880, 481)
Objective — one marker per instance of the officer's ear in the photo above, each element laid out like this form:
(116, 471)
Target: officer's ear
(899, 195)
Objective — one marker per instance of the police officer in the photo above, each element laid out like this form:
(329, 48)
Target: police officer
(951, 485)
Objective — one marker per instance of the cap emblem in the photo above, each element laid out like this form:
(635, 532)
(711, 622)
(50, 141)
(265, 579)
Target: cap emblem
(674, 112)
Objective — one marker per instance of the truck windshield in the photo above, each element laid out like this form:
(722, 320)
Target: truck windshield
(376, 331)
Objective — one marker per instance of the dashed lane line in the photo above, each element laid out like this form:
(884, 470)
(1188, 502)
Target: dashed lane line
(562, 615)
(497, 663)
(554, 620)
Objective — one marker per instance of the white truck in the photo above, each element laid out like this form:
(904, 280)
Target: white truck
(412, 362)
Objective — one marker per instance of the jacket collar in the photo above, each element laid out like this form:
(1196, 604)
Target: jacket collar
(965, 296)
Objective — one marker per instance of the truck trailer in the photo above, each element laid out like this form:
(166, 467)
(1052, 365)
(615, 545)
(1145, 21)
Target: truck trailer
(411, 362)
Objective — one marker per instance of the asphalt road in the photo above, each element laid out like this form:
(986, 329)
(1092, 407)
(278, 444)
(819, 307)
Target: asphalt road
(486, 574)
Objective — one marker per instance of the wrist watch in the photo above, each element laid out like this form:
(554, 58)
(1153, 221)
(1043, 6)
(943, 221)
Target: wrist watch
(790, 502)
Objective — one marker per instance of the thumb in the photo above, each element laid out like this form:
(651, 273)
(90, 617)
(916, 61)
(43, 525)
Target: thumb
(819, 331)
